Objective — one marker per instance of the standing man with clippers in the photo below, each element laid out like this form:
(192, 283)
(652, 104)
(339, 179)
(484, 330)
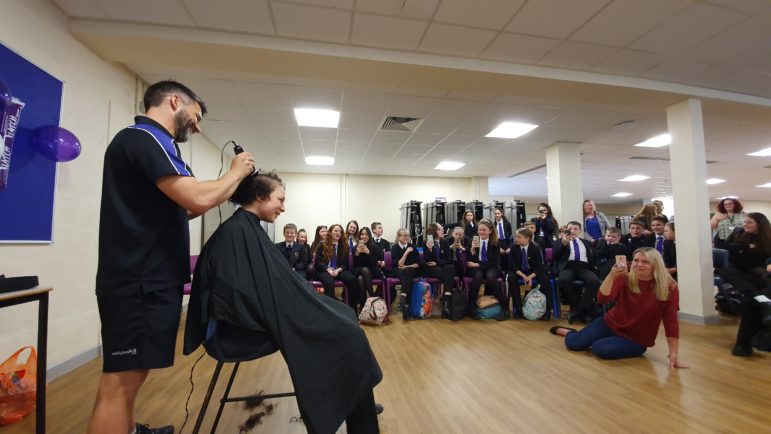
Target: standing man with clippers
(148, 195)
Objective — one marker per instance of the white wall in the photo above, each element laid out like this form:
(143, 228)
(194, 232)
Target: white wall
(98, 101)
(313, 199)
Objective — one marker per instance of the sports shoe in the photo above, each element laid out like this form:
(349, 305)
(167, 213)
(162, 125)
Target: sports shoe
(145, 429)
(740, 350)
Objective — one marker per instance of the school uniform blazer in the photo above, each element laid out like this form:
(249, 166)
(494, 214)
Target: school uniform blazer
(493, 256)
(384, 245)
(633, 244)
(535, 259)
(605, 252)
(562, 254)
(322, 264)
(397, 252)
(431, 255)
(368, 260)
(506, 242)
(470, 231)
(297, 256)
(670, 254)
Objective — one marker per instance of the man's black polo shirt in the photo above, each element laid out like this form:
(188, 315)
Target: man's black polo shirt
(143, 235)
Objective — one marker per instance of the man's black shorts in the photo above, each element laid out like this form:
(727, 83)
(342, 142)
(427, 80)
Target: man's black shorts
(140, 331)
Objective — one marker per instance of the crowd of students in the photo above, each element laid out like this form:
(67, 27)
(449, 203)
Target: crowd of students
(490, 252)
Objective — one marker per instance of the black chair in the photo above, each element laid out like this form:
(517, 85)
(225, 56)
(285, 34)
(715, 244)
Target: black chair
(224, 343)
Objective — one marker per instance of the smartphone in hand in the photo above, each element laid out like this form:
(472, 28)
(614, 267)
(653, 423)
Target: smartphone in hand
(621, 262)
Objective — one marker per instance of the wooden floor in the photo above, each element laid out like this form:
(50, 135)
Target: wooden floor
(478, 377)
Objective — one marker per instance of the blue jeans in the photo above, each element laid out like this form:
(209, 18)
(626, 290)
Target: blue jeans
(604, 343)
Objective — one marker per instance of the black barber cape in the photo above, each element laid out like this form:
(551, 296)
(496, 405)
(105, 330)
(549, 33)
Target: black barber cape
(243, 282)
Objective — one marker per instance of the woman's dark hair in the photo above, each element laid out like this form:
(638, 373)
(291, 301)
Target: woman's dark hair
(549, 213)
(255, 186)
(764, 231)
(156, 93)
(432, 229)
(370, 239)
(317, 239)
(463, 221)
(737, 205)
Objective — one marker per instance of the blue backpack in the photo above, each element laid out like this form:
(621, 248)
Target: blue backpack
(489, 312)
(421, 301)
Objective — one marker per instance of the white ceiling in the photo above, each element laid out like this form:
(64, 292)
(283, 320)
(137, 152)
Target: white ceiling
(242, 57)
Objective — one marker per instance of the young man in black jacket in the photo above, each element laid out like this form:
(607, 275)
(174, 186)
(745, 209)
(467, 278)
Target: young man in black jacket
(293, 251)
(575, 261)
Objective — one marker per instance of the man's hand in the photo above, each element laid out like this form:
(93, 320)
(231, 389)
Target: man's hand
(243, 164)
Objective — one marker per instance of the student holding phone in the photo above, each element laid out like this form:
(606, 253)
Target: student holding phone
(484, 265)
(645, 297)
(438, 257)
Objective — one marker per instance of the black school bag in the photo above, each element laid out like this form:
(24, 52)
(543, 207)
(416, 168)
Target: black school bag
(458, 305)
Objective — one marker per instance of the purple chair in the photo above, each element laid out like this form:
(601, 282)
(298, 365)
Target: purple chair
(389, 266)
(319, 287)
(188, 286)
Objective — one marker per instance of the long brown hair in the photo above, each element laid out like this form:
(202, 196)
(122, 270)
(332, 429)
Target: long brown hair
(646, 214)
(493, 236)
(342, 245)
(464, 222)
(317, 239)
(764, 232)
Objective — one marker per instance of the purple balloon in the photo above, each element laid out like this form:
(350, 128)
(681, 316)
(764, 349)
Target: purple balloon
(5, 96)
(56, 143)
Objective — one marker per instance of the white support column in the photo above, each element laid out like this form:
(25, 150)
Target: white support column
(480, 189)
(689, 174)
(563, 168)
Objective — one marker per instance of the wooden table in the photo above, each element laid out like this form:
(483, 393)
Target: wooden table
(39, 294)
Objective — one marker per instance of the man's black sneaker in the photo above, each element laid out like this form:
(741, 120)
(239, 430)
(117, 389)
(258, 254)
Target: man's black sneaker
(145, 429)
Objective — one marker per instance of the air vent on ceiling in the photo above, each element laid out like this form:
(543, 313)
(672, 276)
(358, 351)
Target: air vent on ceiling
(532, 169)
(661, 159)
(398, 123)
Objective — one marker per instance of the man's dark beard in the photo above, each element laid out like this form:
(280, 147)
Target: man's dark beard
(182, 125)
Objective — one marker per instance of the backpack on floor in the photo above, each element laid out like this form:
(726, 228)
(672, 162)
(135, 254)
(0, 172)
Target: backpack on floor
(455, 305)
(421, 302)
(534, 305)
(374, 311)
(487, 307)
(728, 300)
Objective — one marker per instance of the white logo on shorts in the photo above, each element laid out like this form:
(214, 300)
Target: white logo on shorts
(129, 352)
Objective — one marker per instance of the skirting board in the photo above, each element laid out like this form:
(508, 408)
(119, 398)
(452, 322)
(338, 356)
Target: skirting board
(68, 365)
(697, 319)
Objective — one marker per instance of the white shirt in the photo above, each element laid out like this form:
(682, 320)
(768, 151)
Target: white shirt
(581, 254)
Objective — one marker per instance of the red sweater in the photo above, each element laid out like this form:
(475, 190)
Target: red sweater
(637, 316)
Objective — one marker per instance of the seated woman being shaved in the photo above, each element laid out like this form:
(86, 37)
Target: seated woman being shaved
(246, 302)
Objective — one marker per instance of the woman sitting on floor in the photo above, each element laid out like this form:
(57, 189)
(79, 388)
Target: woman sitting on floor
(645, 297)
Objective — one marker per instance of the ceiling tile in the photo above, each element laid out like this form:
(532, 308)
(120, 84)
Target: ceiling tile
(148, 11)
(313, 23)
(327, 147)
(733, 42)
(387, 32)
(687, 29)
(758, 59)
(360, 121)
(268, 116)
(623, 21)
(628, 62)
(576, 55)
(318, 133)
(305, 97)
(425, 139)
(263, 95)
(335, 4)
(82, 8)
(519, 48)
(488, 14)
(423, 9)
(355, 101)
(359, 136)
(746, 6)
(229, 112)
(675, 70)
(390, 137)
(439, 126)
(454, 40)
(554, 18)
(251, 16)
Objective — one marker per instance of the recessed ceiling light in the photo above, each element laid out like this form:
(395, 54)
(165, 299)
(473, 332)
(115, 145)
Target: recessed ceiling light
(712, 181)
(449, 165)
(621, 194)
(656, 142)
(511, 130)
(762, 153)
(318, 160)
(766, 185)
(634, 178)
(323, 118)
